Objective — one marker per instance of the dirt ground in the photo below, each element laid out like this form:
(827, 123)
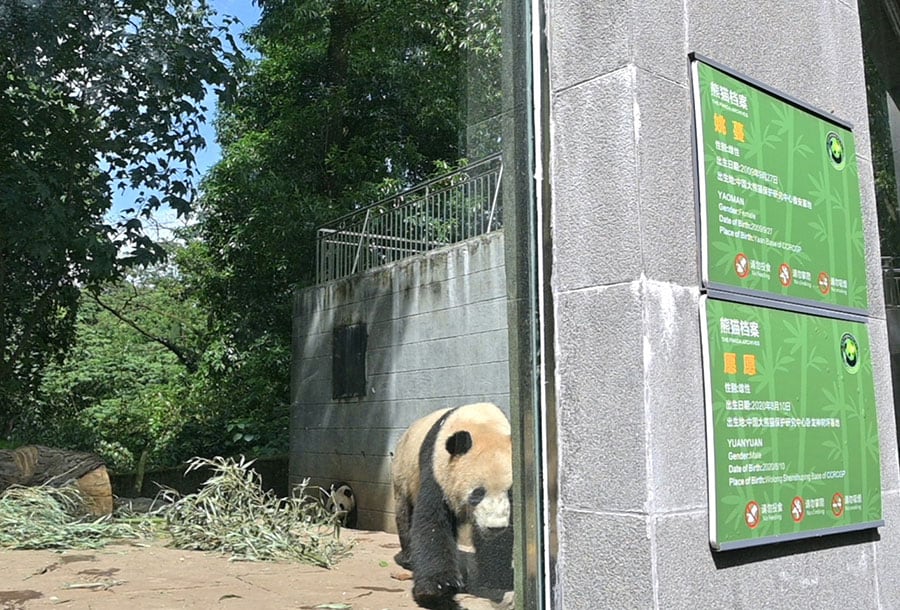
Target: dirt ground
(137, 577)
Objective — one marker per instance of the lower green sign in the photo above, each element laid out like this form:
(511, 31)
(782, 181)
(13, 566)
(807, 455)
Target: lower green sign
(792, 433)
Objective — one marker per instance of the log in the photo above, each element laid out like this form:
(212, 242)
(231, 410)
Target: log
(35, 465)
(97, 491)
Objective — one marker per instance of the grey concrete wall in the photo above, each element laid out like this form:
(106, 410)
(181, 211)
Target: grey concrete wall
(632, 444)
(437, 337)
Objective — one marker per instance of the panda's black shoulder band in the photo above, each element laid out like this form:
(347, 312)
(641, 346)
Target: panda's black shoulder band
(426, 451)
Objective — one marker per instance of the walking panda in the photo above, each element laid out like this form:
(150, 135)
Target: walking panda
(451, 467)
(341, 501)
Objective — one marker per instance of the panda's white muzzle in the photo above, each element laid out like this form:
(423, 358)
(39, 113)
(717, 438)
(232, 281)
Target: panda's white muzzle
(492, 513)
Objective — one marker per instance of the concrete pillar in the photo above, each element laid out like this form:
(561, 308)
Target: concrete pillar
(625, 283)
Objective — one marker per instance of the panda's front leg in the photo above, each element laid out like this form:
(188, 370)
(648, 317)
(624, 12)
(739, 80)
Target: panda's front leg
(493, 563)
(436, 576)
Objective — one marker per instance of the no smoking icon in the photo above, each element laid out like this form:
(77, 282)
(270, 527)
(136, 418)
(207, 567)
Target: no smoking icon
(785, 275)
(824, 283)
(752, 515)
(742, 265)
(798, 509)
(837, 504)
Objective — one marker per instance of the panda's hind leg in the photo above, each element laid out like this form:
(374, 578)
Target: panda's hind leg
(404, 512)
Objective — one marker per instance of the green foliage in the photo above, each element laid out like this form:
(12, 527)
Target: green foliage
(888, 205)
(149, 383)
(56, 518)
(96, 95)
(121, 391)
(123, 428)
(239, 400)
(348, 97)
(232, 514)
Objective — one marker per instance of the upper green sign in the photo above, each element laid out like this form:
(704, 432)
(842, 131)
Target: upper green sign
(779, 196)
(792, 428)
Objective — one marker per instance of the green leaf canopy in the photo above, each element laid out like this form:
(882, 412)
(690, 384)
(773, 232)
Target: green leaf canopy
(96, 96)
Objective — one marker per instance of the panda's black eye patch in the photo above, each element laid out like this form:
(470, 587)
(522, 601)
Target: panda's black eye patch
(459, 443)
(477, 496)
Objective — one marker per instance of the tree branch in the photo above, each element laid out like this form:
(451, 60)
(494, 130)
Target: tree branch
(186, 356)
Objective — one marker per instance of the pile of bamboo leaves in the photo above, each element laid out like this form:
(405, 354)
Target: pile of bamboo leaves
(47, 517)
(232, 514)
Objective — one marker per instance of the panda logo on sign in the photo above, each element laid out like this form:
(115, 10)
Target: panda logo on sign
(452, 467)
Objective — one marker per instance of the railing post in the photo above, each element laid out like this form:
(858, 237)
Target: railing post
(362, 236)
(495, 198)
(320, 256)
(423, 247)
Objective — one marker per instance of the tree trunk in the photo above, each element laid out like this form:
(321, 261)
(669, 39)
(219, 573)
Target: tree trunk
(34, 465)
(141, 470)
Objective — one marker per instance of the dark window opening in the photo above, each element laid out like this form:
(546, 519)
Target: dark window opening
(348, 361)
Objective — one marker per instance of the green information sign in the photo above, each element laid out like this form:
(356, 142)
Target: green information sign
(778, 185)
(792, 433)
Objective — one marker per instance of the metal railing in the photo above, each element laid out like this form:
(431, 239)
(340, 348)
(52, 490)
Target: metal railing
(448, 209)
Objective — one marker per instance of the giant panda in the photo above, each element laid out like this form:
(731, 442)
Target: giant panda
(451, 467)
(341, 502)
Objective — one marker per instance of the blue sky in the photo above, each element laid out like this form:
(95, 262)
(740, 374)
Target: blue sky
(248, 13)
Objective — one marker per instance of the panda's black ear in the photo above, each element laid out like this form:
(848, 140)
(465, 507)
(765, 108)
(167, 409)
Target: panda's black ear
(459, 443)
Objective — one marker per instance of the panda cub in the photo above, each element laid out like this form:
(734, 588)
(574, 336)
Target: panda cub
(341, 502)
(451, 467)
